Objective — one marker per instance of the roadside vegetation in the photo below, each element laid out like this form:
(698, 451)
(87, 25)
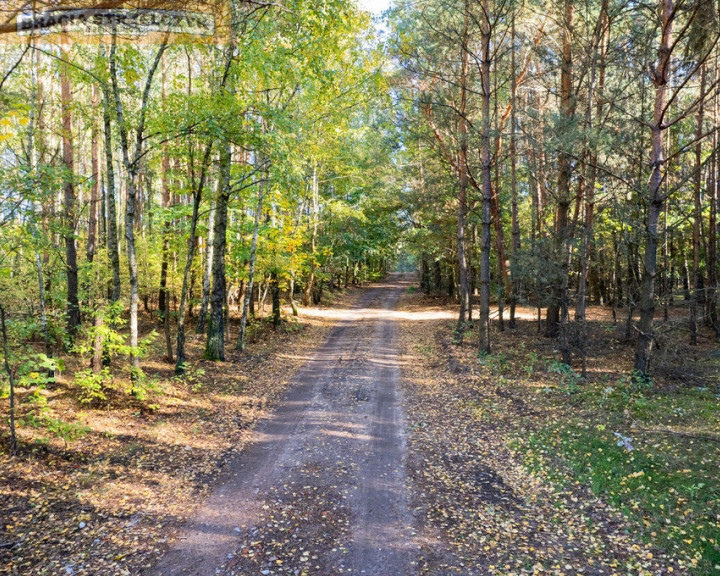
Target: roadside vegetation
(541, 463)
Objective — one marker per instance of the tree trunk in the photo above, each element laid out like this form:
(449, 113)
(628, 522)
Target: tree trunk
(71, 266)
(484, 340)
(251, 277)
(275, 286)
(164, 295)
(34, 160)
(712, 231)
(94, 185)
(558, 303)
(11, 420)
(597, 64)
(192, 243)
(291, 295)
(646, 338)
(496, 213)
(215, 343)
(207, 274)
(697, 213)
(132, 167)
(513, 177)
(307, 296)
(97, 359)
(112, 231)
(463, 180)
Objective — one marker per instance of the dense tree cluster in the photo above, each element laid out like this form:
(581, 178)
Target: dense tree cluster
(563, 153)
(176, 180)
(518, 151)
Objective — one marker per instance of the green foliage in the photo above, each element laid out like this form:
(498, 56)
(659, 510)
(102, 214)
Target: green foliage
(191, 376)
(568, 380)
(34, 371)
(145, 388)
(67, 432)
(630, 390)
(529, 366)
(93, 385)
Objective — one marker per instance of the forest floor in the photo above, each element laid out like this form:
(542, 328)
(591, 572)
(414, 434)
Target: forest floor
(108, 501)
(526, 468)
(383, 448)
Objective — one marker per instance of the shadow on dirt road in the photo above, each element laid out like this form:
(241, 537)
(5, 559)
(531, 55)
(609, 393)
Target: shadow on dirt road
(322, 489)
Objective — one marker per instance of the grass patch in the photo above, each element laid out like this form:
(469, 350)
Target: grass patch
(618, 442)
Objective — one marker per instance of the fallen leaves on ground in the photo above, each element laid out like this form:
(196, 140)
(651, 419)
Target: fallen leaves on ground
(472, 485)
(111, 502)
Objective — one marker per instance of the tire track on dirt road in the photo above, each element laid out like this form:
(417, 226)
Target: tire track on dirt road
(330, 460)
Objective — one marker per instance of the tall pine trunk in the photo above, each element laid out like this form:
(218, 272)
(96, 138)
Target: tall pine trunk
(597, 69)
(513, 175)
(463, 179)
(697, 214)
(556, 317)
(484, 339)
(712, 230)
(643, 350)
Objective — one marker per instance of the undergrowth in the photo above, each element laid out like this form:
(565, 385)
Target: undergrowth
(650, 451)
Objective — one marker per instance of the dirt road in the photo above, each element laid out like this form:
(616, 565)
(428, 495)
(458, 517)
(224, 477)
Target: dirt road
(322, 490)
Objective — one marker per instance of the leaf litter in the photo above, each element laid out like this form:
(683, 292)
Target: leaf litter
(470, 482)
(113, 501)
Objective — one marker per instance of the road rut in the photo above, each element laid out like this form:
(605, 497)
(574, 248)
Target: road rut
(326, 471)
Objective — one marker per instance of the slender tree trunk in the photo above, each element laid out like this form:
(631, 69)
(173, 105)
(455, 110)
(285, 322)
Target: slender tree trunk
(646, 338)
(112, 231)
(275, 285)
(513, 176)
(215, 343)
(91, 247)
(291, 294)
(133, 271)
(712, 252)
(307, 296)
(557, 309)
(712, 262)
(94, 186)
(264, 295)
(197, 198)
(131, 168)
(598, 64)
(251, 277)
(463, 179)
(207, 274)
(13, 435)
(34, 160)
(164, 295)
(69, 216)
(484, 340)
(497, 213)
(697, 213)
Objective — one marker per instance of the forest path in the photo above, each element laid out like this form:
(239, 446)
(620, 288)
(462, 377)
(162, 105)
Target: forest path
(322, 489)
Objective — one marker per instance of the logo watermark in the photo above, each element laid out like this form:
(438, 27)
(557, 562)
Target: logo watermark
(124, 22)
